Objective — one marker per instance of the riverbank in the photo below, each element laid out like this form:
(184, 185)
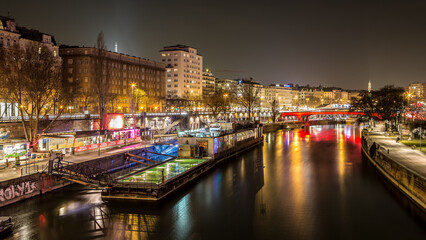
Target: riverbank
(404, 167)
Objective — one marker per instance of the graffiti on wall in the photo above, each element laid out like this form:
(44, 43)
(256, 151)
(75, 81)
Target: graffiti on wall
(17, 190)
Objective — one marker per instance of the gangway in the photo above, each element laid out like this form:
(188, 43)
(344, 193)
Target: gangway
(80, 173)
(164, 131)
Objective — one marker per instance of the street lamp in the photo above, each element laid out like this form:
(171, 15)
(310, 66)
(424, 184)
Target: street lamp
(133, 100)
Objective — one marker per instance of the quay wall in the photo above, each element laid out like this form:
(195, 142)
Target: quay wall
(24, 187)
(408, 182)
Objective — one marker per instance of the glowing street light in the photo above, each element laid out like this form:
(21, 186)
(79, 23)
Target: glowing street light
(133, 103)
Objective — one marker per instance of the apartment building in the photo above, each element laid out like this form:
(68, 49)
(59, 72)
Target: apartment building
(10, 35)
(416, 92)
(135, 84)
(208, 84)
(184, 72)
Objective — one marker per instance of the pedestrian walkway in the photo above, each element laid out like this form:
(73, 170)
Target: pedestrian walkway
(413, 160)
(15, 171)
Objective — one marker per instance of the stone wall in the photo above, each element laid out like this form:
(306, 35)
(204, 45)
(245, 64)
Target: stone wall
(16, 129)
(410, 183)
(24, 187)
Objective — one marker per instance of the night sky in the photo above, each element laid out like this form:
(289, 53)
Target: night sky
(333, 43)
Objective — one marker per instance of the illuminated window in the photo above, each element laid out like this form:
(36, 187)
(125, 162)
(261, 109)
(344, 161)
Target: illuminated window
(54, 53)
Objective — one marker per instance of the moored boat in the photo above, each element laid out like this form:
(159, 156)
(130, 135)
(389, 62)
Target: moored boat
(6, 226)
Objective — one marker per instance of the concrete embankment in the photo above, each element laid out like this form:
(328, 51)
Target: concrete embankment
(24, 187)
(403, 167)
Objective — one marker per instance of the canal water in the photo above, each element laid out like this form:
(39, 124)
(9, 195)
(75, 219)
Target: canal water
(310, 183)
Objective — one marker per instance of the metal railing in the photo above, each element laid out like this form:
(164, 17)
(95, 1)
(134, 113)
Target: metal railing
(30, 169)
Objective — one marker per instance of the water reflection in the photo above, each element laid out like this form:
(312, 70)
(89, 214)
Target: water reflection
(303, 184)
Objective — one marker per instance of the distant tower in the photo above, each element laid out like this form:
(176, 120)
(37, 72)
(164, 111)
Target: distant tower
(369, 86)
(116, 47)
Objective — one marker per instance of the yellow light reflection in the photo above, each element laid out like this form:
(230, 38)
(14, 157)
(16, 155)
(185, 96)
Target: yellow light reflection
(341, 160)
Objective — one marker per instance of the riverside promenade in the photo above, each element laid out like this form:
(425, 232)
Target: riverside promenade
(403, 166)
(12, 172)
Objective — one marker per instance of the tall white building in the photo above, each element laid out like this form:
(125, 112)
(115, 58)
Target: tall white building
(184, 72)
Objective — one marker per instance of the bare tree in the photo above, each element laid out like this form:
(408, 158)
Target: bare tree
(216, 102)
(274, 107)
(249, 96)
(86, 99)
(31, 80)
(113, 100)
(192, 100)
(101, 77)
(140, 98)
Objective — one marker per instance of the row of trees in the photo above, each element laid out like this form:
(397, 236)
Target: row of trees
(388, 103)
(247, 96)
(31, 81)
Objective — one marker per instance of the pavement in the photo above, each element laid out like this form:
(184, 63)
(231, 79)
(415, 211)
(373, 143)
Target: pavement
(413, 160)
(12, 172)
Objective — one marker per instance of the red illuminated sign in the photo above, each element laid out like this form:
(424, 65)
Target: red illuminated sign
(113, 121)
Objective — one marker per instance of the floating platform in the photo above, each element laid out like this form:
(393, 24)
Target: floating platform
(163, 179)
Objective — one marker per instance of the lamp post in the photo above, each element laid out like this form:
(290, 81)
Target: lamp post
(225, 95)
(133, 99)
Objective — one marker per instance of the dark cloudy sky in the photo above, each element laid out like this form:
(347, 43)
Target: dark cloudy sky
(334, 43)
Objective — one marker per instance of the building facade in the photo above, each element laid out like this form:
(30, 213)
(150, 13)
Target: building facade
(227, 85)
(10, 35)
(281, 94)
(184, 72)
(416, 92)
(135, 84)
(208, 84)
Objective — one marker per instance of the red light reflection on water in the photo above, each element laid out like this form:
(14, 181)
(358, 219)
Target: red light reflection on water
(42, 220)
(347, 133)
